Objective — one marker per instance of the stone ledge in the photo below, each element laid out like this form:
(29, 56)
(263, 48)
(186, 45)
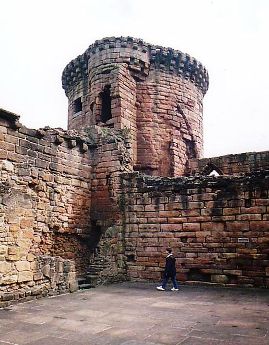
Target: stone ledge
(135, 179)
(11, 118)
(73, 138)
(8, 115)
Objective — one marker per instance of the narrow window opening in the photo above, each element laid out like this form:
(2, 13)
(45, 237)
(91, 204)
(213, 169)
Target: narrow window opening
(77, 105)
(130, 257)
(106, 104)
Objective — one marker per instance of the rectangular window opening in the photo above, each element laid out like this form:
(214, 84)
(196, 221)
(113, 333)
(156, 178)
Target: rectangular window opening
(77, 105)
(106, 104)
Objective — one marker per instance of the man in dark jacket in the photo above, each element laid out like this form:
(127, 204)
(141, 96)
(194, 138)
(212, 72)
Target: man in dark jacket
(169, 271)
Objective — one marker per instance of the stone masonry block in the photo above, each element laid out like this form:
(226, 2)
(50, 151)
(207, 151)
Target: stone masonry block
(237, 226)
(25, 276)
(213, 226)
(5, 267)
(219, 278)
(171, 227)
(9, 279)
(191, 226)
(259, 225)
(22, 266)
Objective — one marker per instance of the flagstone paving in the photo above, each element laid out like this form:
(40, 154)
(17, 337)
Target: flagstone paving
(138, 314)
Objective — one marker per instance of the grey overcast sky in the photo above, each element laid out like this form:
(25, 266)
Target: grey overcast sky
(230, 37)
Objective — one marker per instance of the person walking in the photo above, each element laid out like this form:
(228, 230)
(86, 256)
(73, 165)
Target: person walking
(169, 271)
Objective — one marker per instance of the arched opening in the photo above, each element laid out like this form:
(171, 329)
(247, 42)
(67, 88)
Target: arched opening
(213, 173)
(105, 104)
(212, 170)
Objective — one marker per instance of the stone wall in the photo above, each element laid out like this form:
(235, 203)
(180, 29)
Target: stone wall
(236, 164)
(70, 201)
(169, 124)
(217, 227)
(113, 157)
(36, 277)
(45, 198)
(58, 201)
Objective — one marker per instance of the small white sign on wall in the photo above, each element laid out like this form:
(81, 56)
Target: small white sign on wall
(243, 240)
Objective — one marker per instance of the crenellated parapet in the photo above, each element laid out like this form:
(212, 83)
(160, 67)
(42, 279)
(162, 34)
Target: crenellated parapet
(138, 55)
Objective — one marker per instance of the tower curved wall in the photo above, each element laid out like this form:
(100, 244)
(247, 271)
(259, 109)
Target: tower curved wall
(153, 91)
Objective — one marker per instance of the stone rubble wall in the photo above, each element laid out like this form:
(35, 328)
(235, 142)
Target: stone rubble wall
(59, 201)
(234, 164)
(218, 227)
(113, 157)
(43, 276)
(45, 198)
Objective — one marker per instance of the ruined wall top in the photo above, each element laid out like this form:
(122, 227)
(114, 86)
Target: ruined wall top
(173, 61)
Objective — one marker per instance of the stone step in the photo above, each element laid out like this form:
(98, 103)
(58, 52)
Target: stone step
(90, 270)
(86, 286)
(81, 280)
(97, 266)
(91, 276)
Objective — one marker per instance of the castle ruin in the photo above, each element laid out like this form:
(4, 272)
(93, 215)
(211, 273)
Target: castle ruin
(100, 201)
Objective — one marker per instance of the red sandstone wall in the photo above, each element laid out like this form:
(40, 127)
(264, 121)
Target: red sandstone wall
(112, 157)
(156, 93)
(80, 90)
(169, 121)
(217, 227)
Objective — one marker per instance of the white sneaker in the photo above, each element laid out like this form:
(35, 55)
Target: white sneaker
(160, 288)
(174, 289)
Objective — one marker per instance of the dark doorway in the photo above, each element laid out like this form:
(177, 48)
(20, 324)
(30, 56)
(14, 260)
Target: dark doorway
(106, 104)
(95, 235)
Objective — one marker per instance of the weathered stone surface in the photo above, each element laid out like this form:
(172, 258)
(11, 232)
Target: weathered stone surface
(128, 320)
(7, 165)
(219, 278)
(14, 253)
(5, 267)
(205, 241)
(25, 276)
(3, 250)
(22, 266)
(9, 279)
(73, 286)
(46, 271)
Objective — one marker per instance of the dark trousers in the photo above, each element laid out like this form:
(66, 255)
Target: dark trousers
(166, 278)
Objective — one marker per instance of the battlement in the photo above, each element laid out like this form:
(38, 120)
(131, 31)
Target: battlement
(137, 54)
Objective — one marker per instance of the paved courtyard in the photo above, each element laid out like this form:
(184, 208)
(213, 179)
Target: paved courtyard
(137, 314)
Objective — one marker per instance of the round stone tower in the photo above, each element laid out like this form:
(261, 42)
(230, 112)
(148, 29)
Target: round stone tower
(154, 92)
